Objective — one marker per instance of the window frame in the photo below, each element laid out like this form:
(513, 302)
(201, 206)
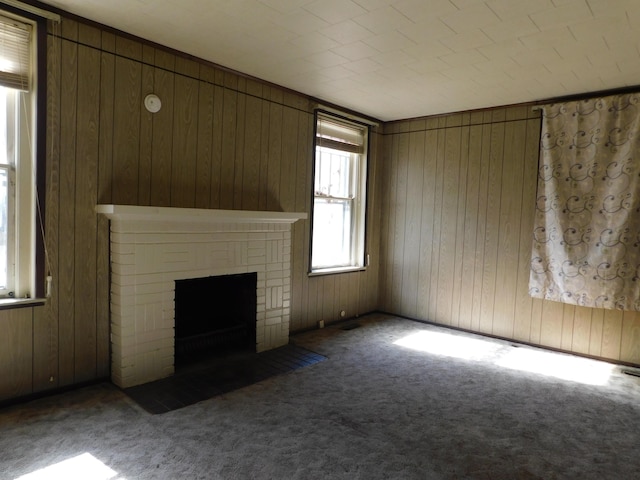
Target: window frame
(359, 256)
(29, 280)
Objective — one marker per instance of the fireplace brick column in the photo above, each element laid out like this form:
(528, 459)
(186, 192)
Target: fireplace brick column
(150, 252)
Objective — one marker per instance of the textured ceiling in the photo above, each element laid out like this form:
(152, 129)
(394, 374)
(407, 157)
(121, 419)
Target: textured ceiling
(399, 59)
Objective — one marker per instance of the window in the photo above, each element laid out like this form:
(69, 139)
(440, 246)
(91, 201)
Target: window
(17, 170)
(339, 201)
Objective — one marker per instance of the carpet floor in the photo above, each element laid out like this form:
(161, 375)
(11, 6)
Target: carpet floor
(394, 399)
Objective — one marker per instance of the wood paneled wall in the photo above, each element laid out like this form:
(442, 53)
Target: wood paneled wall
(220, 141)
(458, 206)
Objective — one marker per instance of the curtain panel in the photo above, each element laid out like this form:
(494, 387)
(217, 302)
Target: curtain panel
(586, 240)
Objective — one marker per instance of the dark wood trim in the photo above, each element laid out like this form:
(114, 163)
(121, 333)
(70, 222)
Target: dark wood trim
(41, 156)
(9, 402)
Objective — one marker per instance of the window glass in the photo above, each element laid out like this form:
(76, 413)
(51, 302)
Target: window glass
(339, 195)
(17, 167)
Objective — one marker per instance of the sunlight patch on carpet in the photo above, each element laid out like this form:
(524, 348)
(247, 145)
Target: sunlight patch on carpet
(449, 345)
(565, 367)
(558, 365)
(80, 467)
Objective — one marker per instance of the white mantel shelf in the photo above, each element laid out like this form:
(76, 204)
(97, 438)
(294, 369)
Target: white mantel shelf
(204, 215)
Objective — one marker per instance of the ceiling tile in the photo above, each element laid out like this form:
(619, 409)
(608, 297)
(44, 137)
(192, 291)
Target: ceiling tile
(355, 50)
(390, 41)
(333, 11)
(383, 19)
(467, 41)
(506, 30)
(569, 13)
(394, 59)
(477, 16)
(346, 32)
(514, 9)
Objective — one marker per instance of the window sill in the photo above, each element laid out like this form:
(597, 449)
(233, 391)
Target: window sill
(333, 271)
(7, 303)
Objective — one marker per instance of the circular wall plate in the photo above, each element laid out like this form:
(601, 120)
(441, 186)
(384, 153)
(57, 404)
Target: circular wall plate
(152, 103)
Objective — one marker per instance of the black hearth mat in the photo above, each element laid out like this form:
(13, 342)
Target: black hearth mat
(216, 376)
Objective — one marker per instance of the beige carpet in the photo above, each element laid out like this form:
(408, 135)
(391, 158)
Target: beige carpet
(392, 400)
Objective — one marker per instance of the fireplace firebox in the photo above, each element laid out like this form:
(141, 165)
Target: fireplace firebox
(214, 315)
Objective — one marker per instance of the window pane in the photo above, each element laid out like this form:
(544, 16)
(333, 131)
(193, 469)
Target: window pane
(339, 194)
(4, 213)
(4, 126)
(333, 173)
(331, 233)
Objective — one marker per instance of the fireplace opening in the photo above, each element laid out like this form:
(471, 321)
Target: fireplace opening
(214, 316)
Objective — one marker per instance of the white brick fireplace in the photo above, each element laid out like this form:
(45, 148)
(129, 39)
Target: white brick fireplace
(152, 247)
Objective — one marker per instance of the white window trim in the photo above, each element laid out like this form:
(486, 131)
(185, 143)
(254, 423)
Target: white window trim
(21, 282)
(359, 257)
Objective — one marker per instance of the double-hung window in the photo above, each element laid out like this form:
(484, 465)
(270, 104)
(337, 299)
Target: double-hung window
(17, 192)
(339, 200)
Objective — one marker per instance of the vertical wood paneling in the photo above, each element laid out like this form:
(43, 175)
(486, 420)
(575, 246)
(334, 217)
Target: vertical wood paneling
(524, 303)
(460, 227)
(162, 141)
(391, 221)
(595, 339)
(300, 237)
(426, 225)
(251, 170)
(509, 230)
(239, 153)
(482, 226)
(263, 193)
(328, 297)
(551, 324)
(369, 283)
(185, 142)
(16, 355)
(470, 228)
(437, 225)
(477, 209)
(146, 138)
(274, 151)
(216, 159)
(126, 131)
(448, 225)
(630, 346)
(568, 314)
(400, 212)
(107, 93)
(289, 160)
(492, 231)
(536, 320)
(45, 328)
(611, 334)
(66, 225)
(581, 330)
(384, 293)
(412, 223)
(85, 245)
(227, 166)
(105, 175)
(204, 152)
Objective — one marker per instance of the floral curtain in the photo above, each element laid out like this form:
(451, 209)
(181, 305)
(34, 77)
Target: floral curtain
(586, 241)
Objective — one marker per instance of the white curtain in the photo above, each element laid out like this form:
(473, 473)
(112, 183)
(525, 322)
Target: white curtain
(586, 245)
